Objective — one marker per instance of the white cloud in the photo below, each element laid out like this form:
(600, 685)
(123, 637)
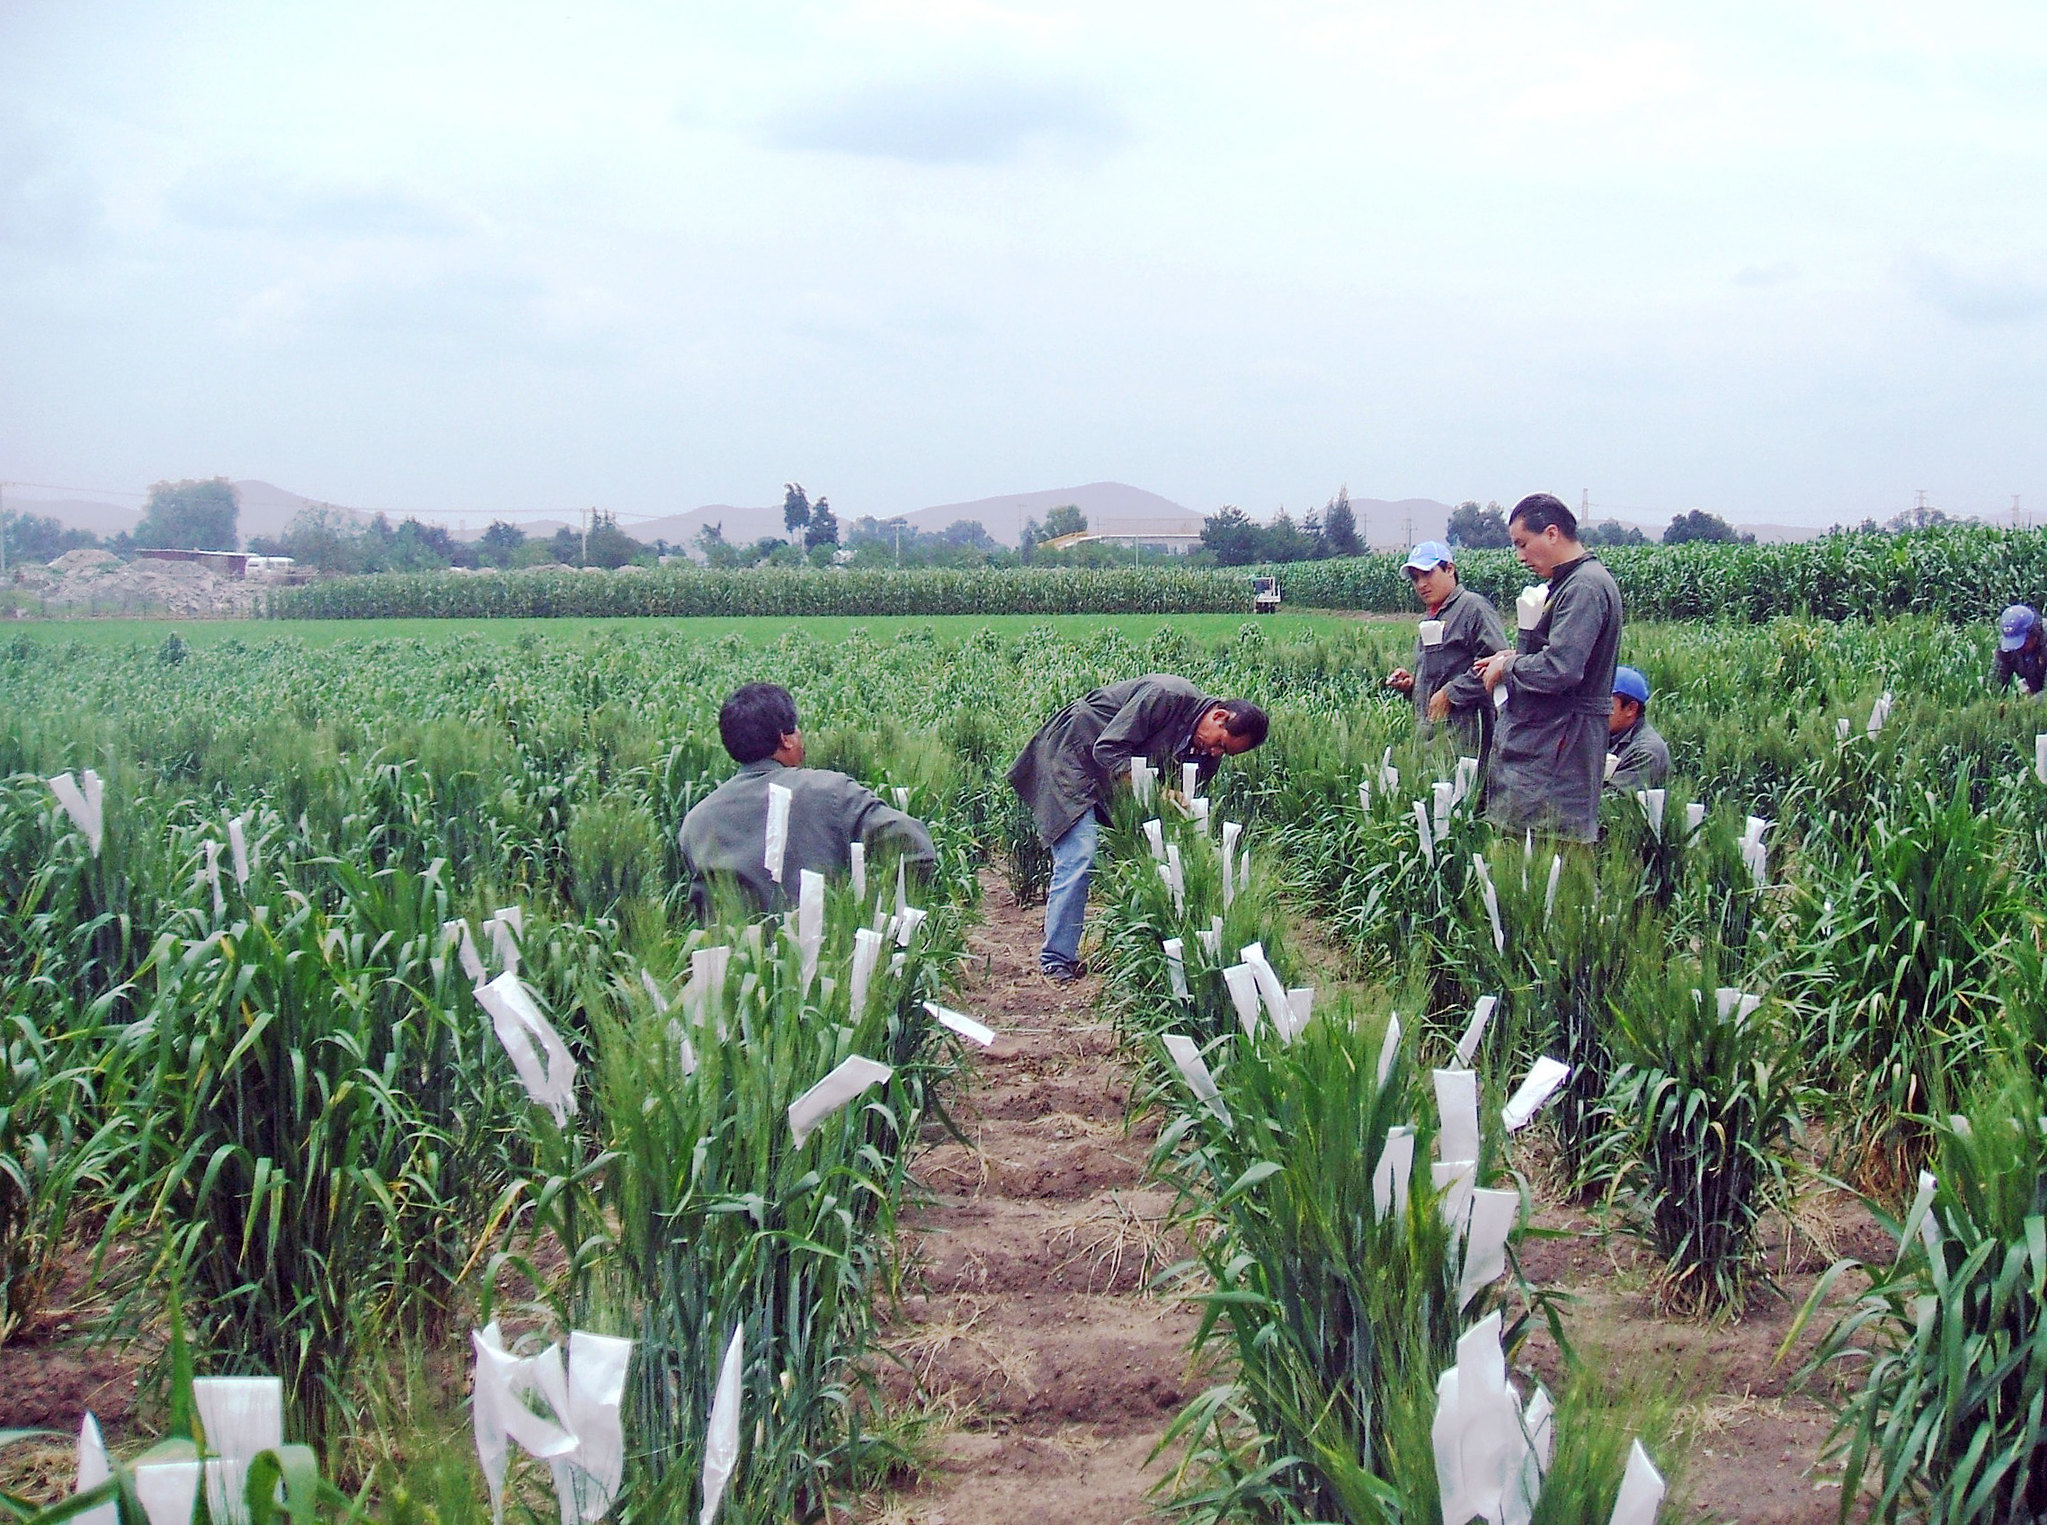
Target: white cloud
(982, 118)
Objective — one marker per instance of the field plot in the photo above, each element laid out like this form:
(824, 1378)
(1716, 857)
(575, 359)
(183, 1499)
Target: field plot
(259, 1109)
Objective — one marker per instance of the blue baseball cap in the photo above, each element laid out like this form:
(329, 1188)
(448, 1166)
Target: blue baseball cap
(1630, 684)
(2013, 626)
(1429, 555)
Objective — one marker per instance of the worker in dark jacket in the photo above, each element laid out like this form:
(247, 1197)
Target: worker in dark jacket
(1641, 760)
(1549, 751)
(725, 835)
(1070, 768)
(1458, 628)
(2021, 650)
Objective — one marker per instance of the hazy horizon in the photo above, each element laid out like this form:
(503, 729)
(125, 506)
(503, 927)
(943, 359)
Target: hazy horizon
(1785, 264)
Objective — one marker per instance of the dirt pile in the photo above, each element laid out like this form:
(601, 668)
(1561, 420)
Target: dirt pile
(99, 582)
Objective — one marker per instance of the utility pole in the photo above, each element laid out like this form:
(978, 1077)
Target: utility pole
(1584, 504)
(3, 528)
(588, 515)
(2014, 510)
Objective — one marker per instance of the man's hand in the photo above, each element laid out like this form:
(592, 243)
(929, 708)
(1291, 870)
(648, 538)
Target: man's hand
(1439, 705)
(1493, 668)
(1400, 680)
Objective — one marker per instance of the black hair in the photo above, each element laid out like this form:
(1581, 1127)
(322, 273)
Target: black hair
(1245, 719)
(1539, 510)
(754, 720)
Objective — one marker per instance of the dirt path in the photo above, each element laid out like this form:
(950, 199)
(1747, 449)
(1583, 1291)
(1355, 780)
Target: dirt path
(1027, 1315)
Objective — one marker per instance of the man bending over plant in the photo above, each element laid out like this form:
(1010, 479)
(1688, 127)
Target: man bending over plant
(1071, 767)
(724, 836)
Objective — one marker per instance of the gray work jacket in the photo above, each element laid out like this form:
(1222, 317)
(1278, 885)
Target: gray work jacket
(1471, 629)
(1644, 759)
(1071, 765)
(1549, 751)
(725, 834)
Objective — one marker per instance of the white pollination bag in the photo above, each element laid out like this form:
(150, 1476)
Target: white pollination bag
(1474, 1030)
(1193, 1069)
(542, 1061)
(1391, 1175)
(83, 799)
(959, 1022)
(777, 839)
(721, 1432)
(241, 1417)
(92, 1471)
(1176, 967)
(1544, 1078)
(853, 1075)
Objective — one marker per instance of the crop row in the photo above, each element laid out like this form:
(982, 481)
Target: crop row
(1955, 574)
(679, 592)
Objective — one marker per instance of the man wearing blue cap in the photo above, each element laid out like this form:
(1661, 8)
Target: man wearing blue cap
(2021, 650)
(1636, 757)
(1458, 629)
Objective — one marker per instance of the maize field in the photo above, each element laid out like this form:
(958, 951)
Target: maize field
(358, 1037)
(1955, 574)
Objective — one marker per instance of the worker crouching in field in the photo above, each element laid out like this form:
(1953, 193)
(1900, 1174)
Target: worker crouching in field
(1458, 629)
(1549, 749)
(1070, 768)
(724, 836)
(2021, 650)
(1639, 759)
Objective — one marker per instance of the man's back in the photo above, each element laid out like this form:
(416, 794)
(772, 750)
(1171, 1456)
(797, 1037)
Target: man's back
(725, 834)
(1069, 766)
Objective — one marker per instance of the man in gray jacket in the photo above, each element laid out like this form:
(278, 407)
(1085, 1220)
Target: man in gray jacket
(1549, 751)
(1458, 627)
(724, 836)
(1641, 757)
(1071, 767)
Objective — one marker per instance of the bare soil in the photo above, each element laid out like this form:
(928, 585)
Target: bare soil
(1029, 1321)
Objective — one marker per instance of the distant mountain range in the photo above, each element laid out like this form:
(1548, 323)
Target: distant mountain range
(1110, 506)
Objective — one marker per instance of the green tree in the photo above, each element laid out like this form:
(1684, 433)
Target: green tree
(1287, 541)
(1479, 529)
(37, 537)
(1229, 535)
(718, 551)
(1613, 532)
(190, 516)
(1920, 518)
(1340, 526)
(824, 526)
(1066, 519)
(1699, 525)
(796, 508)
(499, 544)
(324, 539)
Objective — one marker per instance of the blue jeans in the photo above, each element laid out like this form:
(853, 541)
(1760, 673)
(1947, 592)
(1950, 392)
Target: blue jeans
(1073, 855)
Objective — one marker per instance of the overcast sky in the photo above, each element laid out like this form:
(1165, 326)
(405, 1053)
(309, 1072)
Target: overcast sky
(1785, 261)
